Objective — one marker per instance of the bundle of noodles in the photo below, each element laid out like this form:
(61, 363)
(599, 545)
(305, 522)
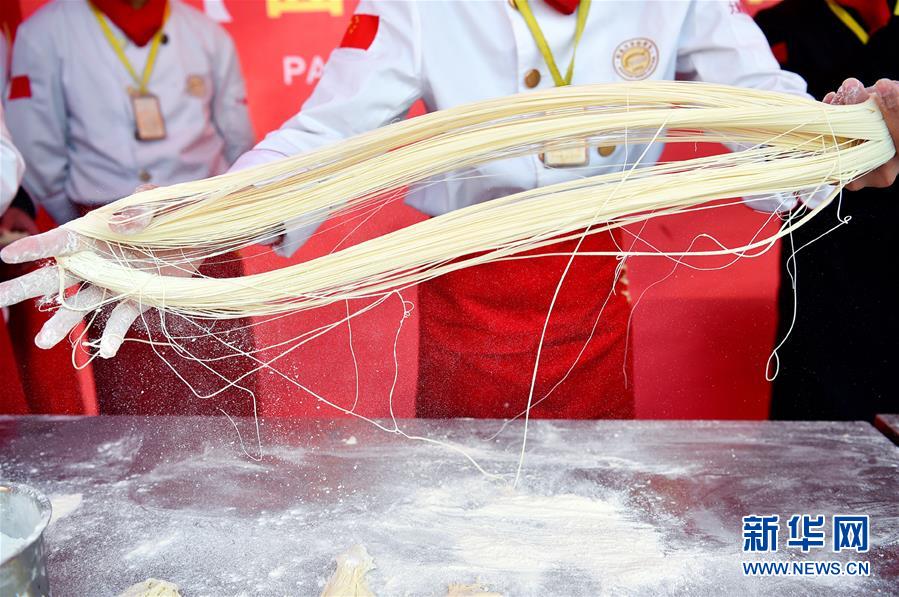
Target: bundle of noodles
(793, 144)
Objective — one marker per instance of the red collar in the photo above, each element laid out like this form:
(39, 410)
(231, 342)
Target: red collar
(874, 14)
(140, 24)
(566, 7)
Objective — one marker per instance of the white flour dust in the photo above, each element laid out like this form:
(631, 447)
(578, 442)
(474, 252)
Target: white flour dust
(152, 547)
(122, 449)
(494, 530)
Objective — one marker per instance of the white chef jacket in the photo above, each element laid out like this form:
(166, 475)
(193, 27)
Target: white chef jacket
(4, 62)
(77, 130)
(451, 53)
(11, 165)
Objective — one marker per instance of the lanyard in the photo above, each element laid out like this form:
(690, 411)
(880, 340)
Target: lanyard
(582, 11)
(117, 47)
(848, 20)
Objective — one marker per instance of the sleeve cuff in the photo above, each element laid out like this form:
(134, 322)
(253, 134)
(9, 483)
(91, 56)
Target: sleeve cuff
(813, 198)
(297, 234)
(256, 157)
(772, 203)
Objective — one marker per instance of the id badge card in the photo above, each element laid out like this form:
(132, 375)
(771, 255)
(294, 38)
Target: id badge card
(565, 154)
(150, 126)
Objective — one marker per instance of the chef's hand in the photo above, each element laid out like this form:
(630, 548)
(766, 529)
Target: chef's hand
(46, 282)
(295, 233)
(886, 93)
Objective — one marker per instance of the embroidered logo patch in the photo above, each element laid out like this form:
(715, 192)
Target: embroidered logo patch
(196, 85)
(636, 58)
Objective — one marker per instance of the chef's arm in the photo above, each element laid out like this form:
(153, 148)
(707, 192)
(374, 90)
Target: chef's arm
(370, 81)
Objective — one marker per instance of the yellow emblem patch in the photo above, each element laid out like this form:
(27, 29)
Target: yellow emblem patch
(636, 58)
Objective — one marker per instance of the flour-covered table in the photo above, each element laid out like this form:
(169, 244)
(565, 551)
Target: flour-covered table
(630, 507)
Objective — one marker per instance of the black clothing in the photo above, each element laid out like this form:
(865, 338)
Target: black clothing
(23, 202)
(837, 362)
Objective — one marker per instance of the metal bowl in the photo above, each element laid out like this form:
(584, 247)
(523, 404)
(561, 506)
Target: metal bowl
(24, 514)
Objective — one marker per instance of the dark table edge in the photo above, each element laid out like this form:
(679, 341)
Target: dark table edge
(881, 426)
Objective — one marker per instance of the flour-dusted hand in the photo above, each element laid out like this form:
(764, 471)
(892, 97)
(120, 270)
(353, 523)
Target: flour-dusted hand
(886, 93)
(62, 241)
(46, 281)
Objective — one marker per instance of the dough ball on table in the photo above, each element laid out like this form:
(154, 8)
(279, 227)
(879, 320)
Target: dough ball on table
(349, 578)
(475, 590)
(152, 587)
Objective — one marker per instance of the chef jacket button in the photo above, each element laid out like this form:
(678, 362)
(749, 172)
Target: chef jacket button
(144, 176)
(606, 150)
(532, 78)
(513, 5)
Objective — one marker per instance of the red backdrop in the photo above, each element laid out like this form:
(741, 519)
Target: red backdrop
(700, 338)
